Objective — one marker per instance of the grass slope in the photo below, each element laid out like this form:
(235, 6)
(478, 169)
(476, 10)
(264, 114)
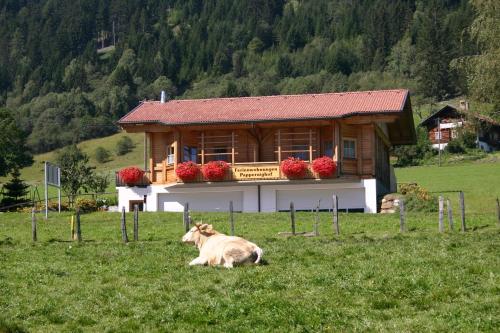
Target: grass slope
(33, 175)
(370, 278)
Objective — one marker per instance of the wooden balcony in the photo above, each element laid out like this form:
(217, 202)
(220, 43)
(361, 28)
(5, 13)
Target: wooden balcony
(239, 172)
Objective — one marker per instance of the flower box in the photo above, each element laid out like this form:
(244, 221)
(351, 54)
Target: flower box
(324, 166)
(215, 170)
(294, 168)
(131, 175)
(187, 171)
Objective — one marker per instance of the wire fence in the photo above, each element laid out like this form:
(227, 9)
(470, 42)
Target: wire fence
(34, 203)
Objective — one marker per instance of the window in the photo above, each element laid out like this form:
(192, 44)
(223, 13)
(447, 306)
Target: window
(303, 154)
(170, 155)
(190, 154)
(437, 135)
(454, 134)
(220, 154)
(328, 148)
(349, 148)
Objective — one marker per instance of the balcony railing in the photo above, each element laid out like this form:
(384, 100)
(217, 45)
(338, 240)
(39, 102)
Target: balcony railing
(238, 172)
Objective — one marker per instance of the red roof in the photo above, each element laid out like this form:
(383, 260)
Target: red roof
(267, 108)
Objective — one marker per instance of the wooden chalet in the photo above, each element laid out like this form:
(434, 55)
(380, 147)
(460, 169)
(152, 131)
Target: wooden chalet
(255, 134)
(444, 125)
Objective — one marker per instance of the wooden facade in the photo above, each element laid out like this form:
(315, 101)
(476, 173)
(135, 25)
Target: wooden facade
(268, 144)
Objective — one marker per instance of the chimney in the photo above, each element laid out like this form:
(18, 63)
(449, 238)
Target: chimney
(163, 97)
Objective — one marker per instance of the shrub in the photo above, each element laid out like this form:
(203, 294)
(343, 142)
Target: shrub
(409, 155)
(324, 166)
(215, 170)
(124, 146)
(294, 168)
(455, 147)
(418, 198)
(130, 175)
(102, 155)
(187, 171)
(54, 205)
(86, 205)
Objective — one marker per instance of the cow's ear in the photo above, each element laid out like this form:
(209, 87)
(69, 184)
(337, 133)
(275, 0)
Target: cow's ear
(197, 225)
(203, 226)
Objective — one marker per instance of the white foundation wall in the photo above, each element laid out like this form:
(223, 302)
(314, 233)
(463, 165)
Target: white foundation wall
(274, 197)
(355, 195)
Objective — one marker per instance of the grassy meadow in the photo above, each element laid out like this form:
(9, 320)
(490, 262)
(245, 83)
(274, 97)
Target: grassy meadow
(479, 180)
(370, 278)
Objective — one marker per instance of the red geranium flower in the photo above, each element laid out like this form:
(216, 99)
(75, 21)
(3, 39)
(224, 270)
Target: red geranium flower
(215, 170)
(294, 167)
(324, 166)
(187, 171)
(130, 175)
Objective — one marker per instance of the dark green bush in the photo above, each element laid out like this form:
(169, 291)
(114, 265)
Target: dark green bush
(102, 155)
(455, 147)
(124, 146)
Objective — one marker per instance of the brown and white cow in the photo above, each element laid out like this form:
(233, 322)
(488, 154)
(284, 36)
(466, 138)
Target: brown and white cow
(219, 249)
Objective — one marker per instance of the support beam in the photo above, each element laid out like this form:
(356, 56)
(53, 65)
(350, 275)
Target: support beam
(151, 165)
(310, 146)
(359, 150)
(202, 147)
(232, 148)
(337, 146)
(279, 146)
(145, 150)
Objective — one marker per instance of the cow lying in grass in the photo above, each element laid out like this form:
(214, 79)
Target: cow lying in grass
(219, 249)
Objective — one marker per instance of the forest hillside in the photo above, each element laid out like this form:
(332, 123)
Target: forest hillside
(70, 69)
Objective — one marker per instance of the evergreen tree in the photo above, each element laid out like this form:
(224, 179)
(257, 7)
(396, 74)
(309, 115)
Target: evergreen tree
(15, 190)
(433, 53)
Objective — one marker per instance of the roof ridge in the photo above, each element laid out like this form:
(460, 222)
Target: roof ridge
(285, 96)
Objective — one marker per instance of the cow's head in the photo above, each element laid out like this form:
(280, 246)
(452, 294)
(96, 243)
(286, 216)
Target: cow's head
(193, 235)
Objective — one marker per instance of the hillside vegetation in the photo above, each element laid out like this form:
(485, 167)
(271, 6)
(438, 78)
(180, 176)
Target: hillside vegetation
(62, 90)
(34, 173)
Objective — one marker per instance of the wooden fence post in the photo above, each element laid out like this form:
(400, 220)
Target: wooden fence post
(462, 210)
(186, 217)
(316, 221)
(402, 227)
(441, 213)
(78, 226)
(292, 217)
(231, 217)
(450, 214)
(136, 223)
(124, 227)
(335, 213)
(33, 225)
(73, 231)
(498, 211)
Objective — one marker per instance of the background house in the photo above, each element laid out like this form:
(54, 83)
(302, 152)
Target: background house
(445, 124)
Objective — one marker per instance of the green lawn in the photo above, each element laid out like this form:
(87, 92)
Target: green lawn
(480, 182)
(371, 278)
